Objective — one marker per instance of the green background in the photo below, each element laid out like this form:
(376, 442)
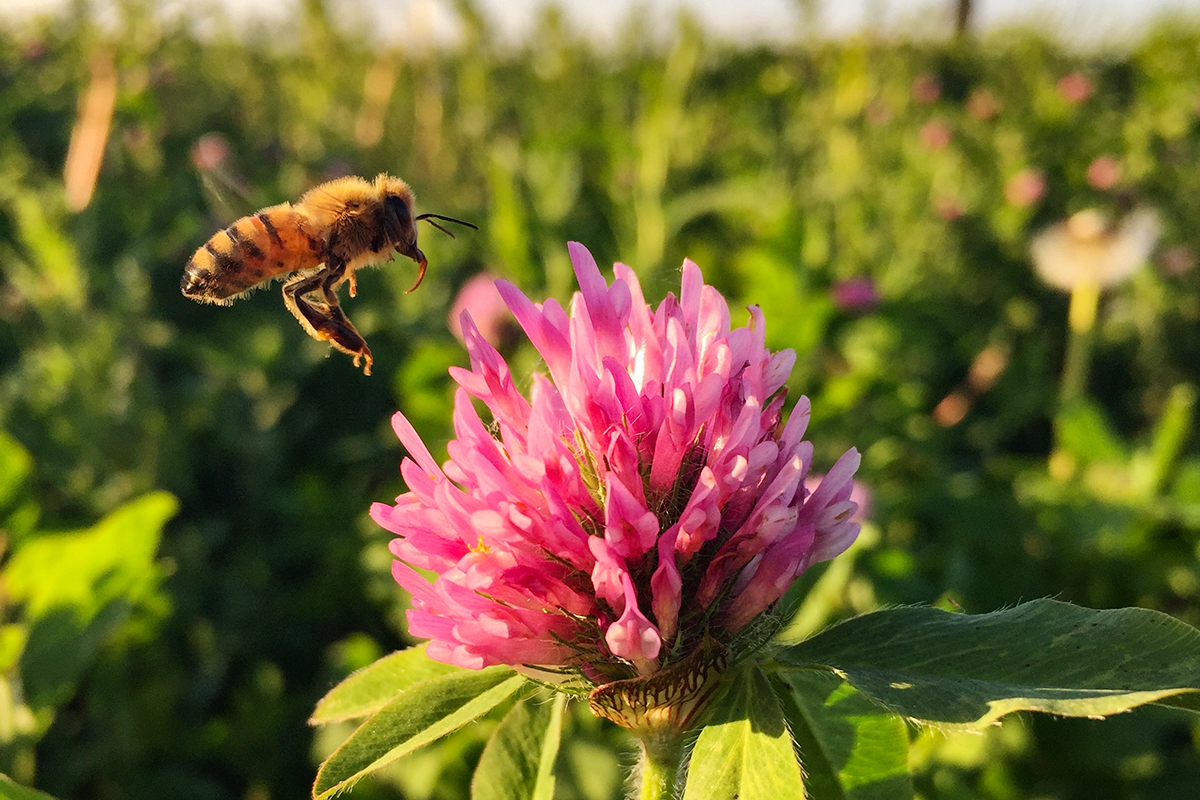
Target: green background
(189, 564)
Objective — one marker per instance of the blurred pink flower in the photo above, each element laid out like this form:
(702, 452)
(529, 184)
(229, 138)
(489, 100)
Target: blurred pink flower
(1103, 173)
(854, 294)
(1025, 188)
(34, 49)
(878, 112)
(210, 151)
(1074, 87)
(645, 499)
(949, 208)
(926, 89)
(1178, 260)
(935, 134)
(480, 298)
(983, 104)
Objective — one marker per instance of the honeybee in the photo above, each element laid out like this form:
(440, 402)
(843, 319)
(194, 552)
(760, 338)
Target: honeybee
(319, 242)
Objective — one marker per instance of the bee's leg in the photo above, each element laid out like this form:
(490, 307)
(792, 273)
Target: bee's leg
(325, 321)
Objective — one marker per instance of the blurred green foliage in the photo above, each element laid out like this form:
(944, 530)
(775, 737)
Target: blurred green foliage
(186, 667)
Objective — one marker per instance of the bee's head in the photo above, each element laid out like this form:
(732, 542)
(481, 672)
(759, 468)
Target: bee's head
(400, 225)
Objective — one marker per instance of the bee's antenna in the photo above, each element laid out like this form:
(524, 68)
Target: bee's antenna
(431, 217)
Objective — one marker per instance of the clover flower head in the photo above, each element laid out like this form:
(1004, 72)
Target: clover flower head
(646, 498)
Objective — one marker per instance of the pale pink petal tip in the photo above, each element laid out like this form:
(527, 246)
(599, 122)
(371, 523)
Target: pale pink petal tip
(633, 637)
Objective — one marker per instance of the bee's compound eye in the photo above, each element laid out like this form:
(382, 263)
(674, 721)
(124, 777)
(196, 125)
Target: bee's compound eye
(397, 220)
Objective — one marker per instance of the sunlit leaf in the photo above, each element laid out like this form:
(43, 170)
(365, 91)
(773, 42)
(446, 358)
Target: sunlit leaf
(372, 687)
(746, 751)
(423, 714)
(1086, 434)
(11, 790)
(518, 762)
(969, 670)
(85, 569)
(79, 587)
(15, 464)
(851, 747)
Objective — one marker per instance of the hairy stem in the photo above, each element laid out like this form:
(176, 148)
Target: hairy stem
(661, 758)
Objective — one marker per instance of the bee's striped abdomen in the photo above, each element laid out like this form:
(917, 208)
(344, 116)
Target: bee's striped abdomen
(249, 252)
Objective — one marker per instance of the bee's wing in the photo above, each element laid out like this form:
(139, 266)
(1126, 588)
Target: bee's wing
(228, 194)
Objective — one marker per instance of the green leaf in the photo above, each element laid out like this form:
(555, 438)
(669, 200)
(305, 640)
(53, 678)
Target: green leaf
(851, 747)
(518, 762)
(425, 712)
(967, 670)
(11, 790)
(371, 688)
(55, 272)
(1086, 434)
(60, 647)
(114, 559)
(79, 587)
(15, 466)
(745, 751)
(1171, 433)
(543, 788)
(592, 758)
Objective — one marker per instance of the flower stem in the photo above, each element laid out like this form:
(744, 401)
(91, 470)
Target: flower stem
(661, 757)
(1082, 317)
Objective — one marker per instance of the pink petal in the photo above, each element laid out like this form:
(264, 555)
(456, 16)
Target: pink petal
(412, 443)
(666, 586)
(633, 637)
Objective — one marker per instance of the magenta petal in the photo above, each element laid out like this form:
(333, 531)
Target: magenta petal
(609, 573)
(666, 586)
(797, 423)
(837, 484)
(412, 442)
(700, 518)
(675, 437)
(496, 388)
(774, 573)
(604, 305)
(633, 637)
(539, 325)
(629, 526)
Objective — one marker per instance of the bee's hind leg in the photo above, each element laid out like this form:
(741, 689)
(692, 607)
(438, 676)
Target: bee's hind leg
(325, 321)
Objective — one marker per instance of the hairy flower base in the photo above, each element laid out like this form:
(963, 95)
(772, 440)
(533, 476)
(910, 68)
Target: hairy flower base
(646, 496)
